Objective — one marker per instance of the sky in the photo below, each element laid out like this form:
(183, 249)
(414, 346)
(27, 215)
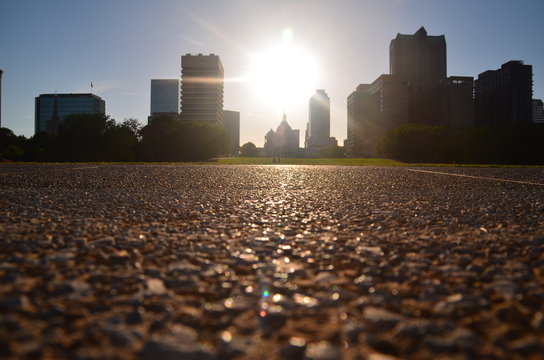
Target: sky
(120, 45)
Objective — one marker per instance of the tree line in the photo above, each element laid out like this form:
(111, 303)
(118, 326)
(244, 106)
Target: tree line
(516, 143)
(96, 137)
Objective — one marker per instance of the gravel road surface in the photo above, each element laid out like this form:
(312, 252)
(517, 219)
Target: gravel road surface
(271, 262)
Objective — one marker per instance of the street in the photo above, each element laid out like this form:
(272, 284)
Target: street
(271, 262)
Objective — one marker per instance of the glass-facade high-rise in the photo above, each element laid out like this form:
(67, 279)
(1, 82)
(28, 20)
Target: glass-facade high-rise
(319, 120)
(66, 104)
(164, 96)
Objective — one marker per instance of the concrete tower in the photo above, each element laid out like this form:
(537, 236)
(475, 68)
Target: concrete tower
(202, 88)
(319, 122)
(419, 58)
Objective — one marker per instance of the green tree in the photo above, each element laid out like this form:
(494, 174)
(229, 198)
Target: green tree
(11, 145)
(159, 140)
(121, 141)
(332, 151)
(40, 147)
(249, 150)
(166, 138)
(81, 137)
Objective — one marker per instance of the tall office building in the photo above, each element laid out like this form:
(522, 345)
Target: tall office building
(505, 95)
(450, 102)
(538, 111)
(319, 121)
(417, 90)
(1, 72)
(419, 58)
(202, 88)
(51, 109)
(164, 96)
(373, 109)
(231, 122)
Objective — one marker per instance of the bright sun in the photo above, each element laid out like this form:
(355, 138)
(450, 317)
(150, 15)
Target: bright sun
(284, 74)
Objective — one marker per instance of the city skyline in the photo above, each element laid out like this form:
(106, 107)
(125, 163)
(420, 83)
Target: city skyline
(114, 46)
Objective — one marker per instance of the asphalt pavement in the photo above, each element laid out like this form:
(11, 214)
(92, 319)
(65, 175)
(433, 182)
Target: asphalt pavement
(271, 262)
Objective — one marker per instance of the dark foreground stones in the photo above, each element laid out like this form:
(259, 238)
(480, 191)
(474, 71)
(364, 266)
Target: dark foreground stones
(270, 262)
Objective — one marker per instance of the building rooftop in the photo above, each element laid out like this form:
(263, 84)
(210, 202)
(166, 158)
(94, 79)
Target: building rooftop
(421, 34)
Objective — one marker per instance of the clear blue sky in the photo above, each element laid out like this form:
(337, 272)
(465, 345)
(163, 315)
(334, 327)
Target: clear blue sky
(120, 45)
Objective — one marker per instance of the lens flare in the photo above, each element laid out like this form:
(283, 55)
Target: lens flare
(284, 75)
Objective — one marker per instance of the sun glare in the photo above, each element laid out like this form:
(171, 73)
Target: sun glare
(284, 74)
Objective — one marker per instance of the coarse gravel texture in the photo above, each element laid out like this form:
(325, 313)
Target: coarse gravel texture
(270, 262)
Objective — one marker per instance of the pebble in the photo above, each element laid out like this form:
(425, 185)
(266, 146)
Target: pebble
(179, 343)
(155, 287)
(381, 319)
(322, 350)
(102, 242)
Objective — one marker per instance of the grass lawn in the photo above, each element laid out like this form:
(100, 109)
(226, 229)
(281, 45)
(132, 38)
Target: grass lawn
(308, 161)
(288, 161)
(345, 161)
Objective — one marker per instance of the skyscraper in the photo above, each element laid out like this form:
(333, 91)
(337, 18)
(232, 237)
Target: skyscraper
(417, 90)
(419, 58)
(373, 109)
(538, 111)
(505, 95)
(164, 96)
(319, 120)
(51, 109)
(231, 122)
(202, 88)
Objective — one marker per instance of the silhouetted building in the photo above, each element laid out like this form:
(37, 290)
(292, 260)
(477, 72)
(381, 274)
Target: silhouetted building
(282, 143)
(417, 91)
(231, 122)
(505, 95)
(373, 109)
(165, 96)
(538, 111)
(1, 72)
(202, 88)
(450, 102)
(318, 129)
(51, 109)
(419, 58)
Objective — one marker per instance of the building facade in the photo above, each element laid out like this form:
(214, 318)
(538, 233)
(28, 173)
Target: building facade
(202, 88)
(538, 111)
(505, 95)
(419, 58)
(51, 109)
(165, 96)
(319, 120)
(374, 109)
(450, 102)
(318, 129)
(231, 122)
